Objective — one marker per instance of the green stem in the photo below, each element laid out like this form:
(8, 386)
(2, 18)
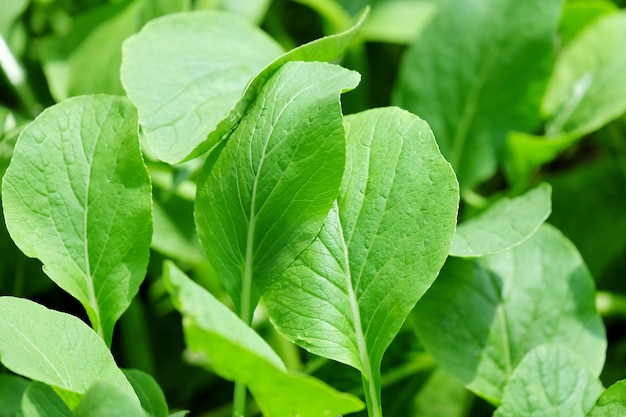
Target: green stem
(610, 304)
(374, 408)
(239, 400)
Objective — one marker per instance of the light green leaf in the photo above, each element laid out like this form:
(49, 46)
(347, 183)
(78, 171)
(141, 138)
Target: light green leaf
(442, 395)
(382, 245)
(264, 198)
(507, 223)
(584, 92)
(481, 317)
(171, 239)
(55, 348)
(12, 389)
(398, 21)
(77, 196)
(238, 353)
(9, 12)
(104, 399)
(252, 10)
(612, 402)
(95, 42)
(577, 15)
(550, 381)
(186, 71)
(210, 89)
(40, 400)
(478, 70)
(148, 391)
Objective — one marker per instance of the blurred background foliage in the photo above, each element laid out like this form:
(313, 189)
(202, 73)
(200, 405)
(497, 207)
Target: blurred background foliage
(54, 49)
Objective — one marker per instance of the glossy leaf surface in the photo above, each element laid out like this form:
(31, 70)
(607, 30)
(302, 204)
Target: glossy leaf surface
(77, 196)
(382, 245)
(505, 224)
(550, 381)
(481, 317)
(478, 70)
(264, 198)
(237, 353)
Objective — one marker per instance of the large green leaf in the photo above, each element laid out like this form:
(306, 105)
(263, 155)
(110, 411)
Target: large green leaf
(477, 71)
(148, 391)
(55, 348)
(481, 317)
(186, 71)
(263, 199)
(213, 61)
(95, 43)
(382, 245)
(612, 402)
(507, 223)
(550, 381)
(238, 353)
(77, 196)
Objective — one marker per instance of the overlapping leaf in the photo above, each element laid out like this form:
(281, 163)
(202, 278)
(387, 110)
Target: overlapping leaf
(264, 198)
(505, 224)
(77, 196)
(55, 348)
(612, 402)
(382, 245)
(481, 317)
(478, 70)
(550, 381)
(213, 62)
(238, 353)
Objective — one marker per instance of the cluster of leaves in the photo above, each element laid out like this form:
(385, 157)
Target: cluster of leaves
(198, 140)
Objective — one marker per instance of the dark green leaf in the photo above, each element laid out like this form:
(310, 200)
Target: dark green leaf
(148, 391)
(40, 400)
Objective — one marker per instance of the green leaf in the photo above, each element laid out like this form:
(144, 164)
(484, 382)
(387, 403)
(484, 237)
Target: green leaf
(481, 317)
(550, 381)
(442, 395)
(207, 58)
(12, 389)
(612, 402)
(77, 196)
(263, 199)
(238, 353)
(210, 88)
(104, 399)
(478, 70)
(55, 348)
(398, 21)
(577, 15)
(584, 92)
(505, 224)
(148, 391)
(348, 293)
(40, 400)
(95, 42)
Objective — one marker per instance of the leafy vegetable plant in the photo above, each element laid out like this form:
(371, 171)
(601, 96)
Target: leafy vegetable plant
(237, 227)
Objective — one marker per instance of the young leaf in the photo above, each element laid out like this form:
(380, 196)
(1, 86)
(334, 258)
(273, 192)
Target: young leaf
(263, 199)
(550, 381)
(481, 317)
(40, 400)
(104, 399)
(148, 391)
(55, 348)
(186, 71)
(505, 224)
(612, 402)
(478, 70)
(238, 353)
(77, 196)
(347, 295)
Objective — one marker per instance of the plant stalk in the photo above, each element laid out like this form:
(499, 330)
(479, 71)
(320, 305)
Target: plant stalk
(374, 408)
